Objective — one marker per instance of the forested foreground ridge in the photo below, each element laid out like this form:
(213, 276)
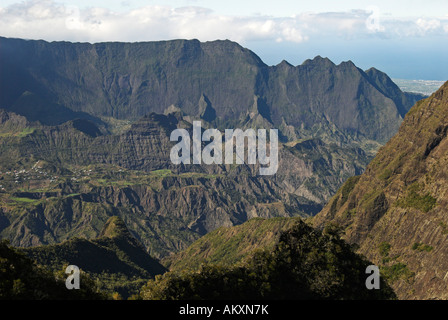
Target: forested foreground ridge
(299, 263)
(304, 264)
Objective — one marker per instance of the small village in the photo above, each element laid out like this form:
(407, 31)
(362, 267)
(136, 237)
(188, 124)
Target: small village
(37, 177)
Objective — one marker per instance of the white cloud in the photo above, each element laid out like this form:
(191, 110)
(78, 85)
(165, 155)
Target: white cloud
(46, 19)
(426, 25)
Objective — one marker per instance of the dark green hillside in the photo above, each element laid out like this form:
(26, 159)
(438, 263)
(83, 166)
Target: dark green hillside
(115, 259)
(231, 245)
(22, 279)
(303, 264)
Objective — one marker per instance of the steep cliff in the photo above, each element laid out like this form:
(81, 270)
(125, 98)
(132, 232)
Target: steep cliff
(131, 80)
(85, 135)
(397, 210)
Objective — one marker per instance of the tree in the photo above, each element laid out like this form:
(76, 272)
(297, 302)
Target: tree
(305, 264)
(22, 279)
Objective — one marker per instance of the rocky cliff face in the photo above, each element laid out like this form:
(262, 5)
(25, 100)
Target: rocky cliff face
(74, 170)
(217, 80)
(86, 130)
(397, 210)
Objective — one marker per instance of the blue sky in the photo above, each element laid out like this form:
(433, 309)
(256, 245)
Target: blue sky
(404, 38)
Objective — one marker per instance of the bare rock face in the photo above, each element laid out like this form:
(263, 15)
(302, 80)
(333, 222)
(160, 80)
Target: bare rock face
(167, 206)
(58, 81)
(397, 210)
(112, 106)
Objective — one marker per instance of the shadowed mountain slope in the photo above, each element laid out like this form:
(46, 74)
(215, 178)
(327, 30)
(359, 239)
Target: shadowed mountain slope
(116, 259)
(217, 80)
(85, 135)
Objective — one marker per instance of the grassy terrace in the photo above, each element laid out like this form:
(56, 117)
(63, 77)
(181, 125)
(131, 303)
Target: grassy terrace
(26, 131)
(23, 200)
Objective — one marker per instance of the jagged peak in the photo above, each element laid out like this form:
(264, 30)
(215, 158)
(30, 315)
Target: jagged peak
(206, 111)
(284, 63)
(113, 228)
(318, 60)
(348, 63)
(172, 109)
(260, 107)
(372, 70)
(375, 73)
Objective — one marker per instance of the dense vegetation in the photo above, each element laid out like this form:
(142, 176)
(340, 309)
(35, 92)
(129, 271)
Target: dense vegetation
(115, 261)
(302, 263)
(305, 264)
(230, 245)
(22, 279)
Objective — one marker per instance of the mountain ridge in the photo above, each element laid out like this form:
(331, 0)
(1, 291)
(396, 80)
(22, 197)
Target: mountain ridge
(130, 80)
(89, 175)
(107, 152)
(114, 252)
(296, 262)
(396, 210)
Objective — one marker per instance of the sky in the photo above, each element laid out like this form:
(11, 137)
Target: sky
(407, 39)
